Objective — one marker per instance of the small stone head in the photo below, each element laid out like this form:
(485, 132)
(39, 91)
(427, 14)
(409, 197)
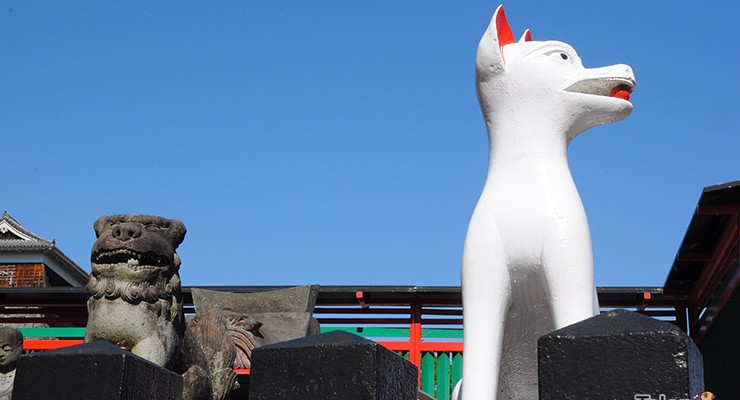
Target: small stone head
(11, 345)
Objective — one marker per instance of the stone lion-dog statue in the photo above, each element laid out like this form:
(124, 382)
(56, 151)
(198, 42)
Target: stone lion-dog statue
(135, 302)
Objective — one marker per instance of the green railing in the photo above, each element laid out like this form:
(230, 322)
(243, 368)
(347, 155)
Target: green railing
(55, 333)
(440, 372)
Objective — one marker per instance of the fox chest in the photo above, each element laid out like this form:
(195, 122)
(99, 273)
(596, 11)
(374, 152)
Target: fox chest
(523, 219)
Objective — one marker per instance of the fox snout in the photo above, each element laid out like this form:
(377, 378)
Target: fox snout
(612, 81)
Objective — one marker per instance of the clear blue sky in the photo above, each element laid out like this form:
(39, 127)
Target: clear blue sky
(340, 142)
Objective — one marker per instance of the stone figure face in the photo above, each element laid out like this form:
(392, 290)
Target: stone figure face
(137, 239)
(11, 345)
(134, 257)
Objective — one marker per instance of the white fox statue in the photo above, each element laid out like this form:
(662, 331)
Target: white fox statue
(527, 264)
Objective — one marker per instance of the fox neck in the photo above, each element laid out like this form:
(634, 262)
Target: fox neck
(521, 133)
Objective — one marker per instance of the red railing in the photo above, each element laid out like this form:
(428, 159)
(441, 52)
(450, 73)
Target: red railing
(415, 308)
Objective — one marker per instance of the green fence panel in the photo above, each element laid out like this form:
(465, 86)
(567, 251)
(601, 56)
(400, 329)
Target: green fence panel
(437, 333)
(443, 376)
(427, 373)
(457, 362)
(427, 333)
(61, 332)
(370, 332)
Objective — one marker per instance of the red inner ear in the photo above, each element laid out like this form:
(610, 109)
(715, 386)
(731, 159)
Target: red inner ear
(503, 30)
(527, 36)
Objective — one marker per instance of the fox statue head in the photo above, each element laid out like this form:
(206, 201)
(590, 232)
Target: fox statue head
(545, 80)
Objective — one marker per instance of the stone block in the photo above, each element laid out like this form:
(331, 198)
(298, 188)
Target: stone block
(279, 327)
(285, 314)
(619, 355)
(299, 299)
(331, 366)
(92, 371)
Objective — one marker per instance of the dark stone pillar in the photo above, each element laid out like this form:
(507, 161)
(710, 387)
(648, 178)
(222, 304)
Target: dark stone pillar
(619, 355)
(91, 371)
(332, 366)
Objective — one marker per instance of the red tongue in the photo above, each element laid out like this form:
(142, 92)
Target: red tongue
(620, 92)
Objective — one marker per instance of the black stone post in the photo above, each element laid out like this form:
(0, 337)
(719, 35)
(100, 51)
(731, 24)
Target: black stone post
(332, 366)
(92, 371)
(619, 355)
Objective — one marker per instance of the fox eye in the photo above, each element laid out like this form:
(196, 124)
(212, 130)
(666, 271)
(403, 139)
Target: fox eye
(563, 56)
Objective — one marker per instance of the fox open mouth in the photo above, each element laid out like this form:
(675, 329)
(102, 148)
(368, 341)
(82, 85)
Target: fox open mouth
(611, 87)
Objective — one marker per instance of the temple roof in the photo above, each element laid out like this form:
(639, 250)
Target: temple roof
(717, 207)
(19, 245)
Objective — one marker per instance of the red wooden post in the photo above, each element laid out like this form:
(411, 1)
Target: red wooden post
(415, 336)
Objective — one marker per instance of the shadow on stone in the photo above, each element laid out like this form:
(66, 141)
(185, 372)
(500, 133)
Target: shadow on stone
(91, 371)
(331, 366)
(619, 355)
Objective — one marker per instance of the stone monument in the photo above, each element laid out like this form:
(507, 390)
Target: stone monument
(135, 302)
(11, 346)
(273, 316)
(527, 265)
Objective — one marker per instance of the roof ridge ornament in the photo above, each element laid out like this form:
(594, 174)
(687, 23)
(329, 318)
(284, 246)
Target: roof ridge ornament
(9, 224)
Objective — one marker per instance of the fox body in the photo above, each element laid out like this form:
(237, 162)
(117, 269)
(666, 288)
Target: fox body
(527, 264)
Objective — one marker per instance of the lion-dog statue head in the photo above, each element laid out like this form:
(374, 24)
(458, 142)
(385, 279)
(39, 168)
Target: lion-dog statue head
(134, 257)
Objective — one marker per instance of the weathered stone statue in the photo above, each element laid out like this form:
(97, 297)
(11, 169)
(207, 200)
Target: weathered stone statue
(226, 339)
(135, 302)
(283, 314)
(11, 346)
(135, 296)
(527, 263)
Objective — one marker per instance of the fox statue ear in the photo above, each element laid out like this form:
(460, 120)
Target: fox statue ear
(526, 37)
(503, 30)
(490, 58)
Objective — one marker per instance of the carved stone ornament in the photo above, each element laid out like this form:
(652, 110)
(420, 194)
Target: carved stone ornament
(527, 264)
(261, 318)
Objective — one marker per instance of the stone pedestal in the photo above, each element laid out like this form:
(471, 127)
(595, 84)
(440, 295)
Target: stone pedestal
(332, 366)
(92, 371)
(619, 355)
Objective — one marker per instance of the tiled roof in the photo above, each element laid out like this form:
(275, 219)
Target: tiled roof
(15, 238)
(13, 244)
(12, 231)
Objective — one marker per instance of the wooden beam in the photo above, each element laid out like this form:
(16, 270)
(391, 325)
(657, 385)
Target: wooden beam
(710, 316)
(690, 256)
(718, 209)
(716, 267)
